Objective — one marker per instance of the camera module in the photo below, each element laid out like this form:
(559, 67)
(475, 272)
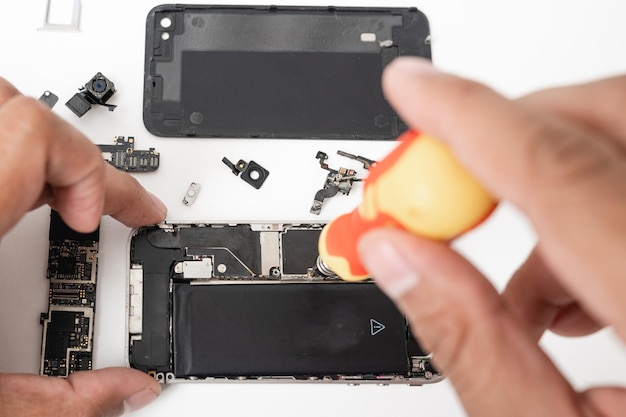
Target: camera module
(96, 91)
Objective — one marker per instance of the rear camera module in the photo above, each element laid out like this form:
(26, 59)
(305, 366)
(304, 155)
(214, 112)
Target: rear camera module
(98, 90)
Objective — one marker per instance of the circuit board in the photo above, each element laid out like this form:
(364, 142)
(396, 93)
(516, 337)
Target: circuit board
(68, 325)
(123, 156)
(67, 344)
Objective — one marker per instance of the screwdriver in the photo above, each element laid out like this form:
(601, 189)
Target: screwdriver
(420, 188)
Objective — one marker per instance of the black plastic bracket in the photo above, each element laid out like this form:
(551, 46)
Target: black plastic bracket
(251, 172)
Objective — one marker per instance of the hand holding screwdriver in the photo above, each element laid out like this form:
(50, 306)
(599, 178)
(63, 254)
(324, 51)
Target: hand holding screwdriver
(420, 188)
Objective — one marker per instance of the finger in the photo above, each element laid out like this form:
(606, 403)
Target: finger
(34, 118)
(72, 183)
(45, 197)
(105, 392)
(458, 316)
(49, 161)
(127, 201)
(534, 296)
(513, 151)
(572, 185)
(539, 302)
(604, 402)
(7, 91)
(573, 321)
(39, 148)
(591, 104)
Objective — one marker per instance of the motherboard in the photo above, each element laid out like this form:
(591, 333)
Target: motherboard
(67, 344)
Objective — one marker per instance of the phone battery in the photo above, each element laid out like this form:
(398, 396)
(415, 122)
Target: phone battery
(292, 329)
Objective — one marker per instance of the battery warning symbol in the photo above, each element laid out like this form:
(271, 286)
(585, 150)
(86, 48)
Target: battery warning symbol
(376, 327)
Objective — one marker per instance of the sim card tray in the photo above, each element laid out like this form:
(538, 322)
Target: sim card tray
(70, 27)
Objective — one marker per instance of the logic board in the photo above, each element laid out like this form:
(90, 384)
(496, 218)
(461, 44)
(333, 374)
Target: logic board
(67, 344)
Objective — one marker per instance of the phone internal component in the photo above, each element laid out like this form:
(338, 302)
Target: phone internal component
(49, 99)
(67, 344)
(123, 156)
(191, 194)
(68, 334)
(98, 90)
(251, 172)
(299, 329)
(338, 180)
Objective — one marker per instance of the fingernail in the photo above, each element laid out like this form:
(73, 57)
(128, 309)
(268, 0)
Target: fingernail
(414, 66)
(139, 400)
(158, 203)
(391, 271)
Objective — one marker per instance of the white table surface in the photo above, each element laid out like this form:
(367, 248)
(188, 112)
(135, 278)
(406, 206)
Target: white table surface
(514, 46)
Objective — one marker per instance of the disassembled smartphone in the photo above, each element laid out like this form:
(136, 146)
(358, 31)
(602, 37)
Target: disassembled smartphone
(249, 302)
(275, 71)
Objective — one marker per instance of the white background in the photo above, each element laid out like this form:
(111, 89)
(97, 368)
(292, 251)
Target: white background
(514, 46)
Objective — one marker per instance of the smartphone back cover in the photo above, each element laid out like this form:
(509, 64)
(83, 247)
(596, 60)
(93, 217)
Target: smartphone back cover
(275, 72)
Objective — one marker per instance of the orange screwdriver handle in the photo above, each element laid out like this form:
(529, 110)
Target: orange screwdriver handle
(419, 187)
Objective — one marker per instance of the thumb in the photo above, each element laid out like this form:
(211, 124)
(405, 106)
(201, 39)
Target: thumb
(100, 393)
(458, 316)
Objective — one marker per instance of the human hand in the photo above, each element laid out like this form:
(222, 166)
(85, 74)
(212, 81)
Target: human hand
(100, 393)
(45, 160)
(560, 156)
